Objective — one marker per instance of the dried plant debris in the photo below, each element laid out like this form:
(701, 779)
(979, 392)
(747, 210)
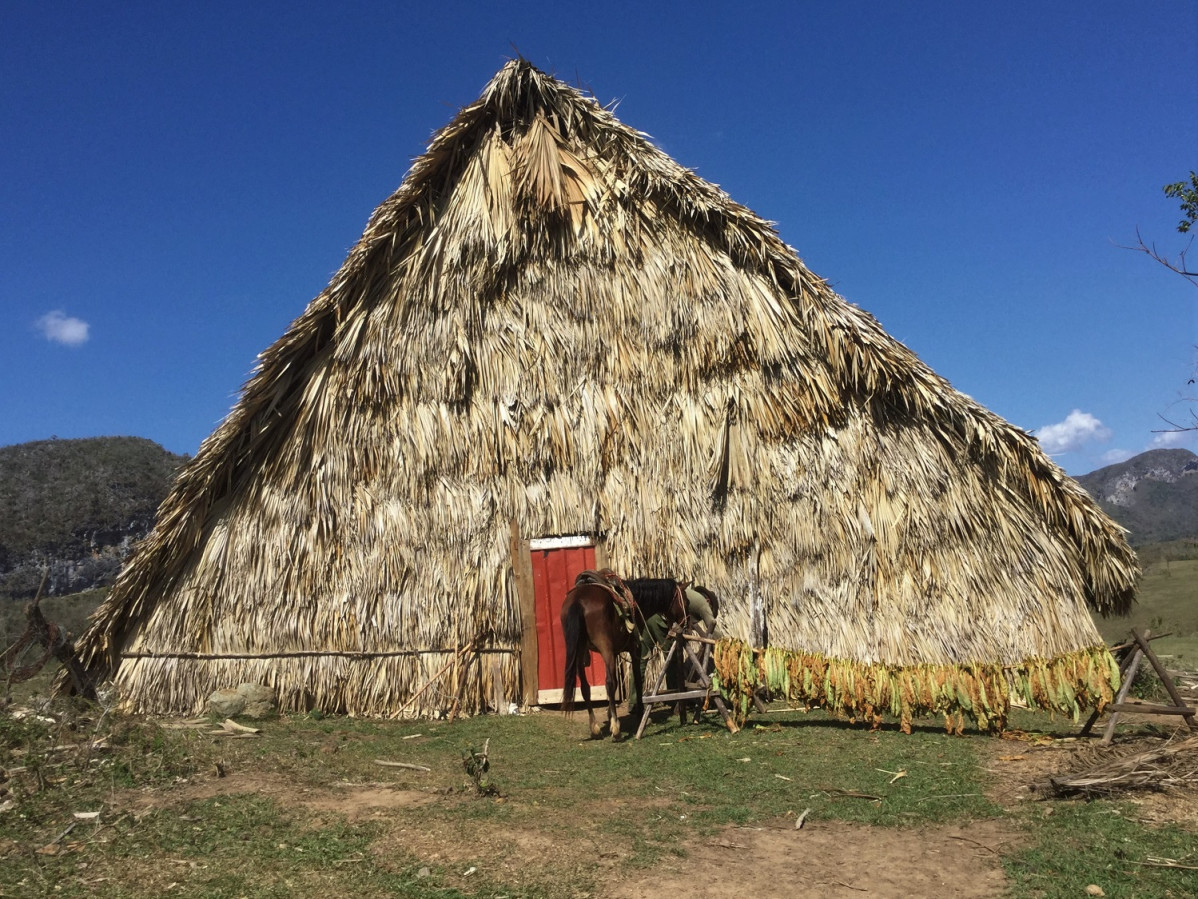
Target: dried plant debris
(1172, 764)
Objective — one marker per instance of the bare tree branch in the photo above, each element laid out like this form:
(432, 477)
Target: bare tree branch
(1174, 427)
(1179, 266)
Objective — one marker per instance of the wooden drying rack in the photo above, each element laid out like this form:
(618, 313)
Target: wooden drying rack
(1140, 650)
(696, 682)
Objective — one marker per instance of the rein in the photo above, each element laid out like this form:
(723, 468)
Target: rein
(680, 603)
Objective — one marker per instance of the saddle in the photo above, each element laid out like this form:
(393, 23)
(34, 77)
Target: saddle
(626, 606)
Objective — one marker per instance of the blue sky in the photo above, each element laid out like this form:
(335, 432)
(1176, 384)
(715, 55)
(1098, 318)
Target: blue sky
(178, 181)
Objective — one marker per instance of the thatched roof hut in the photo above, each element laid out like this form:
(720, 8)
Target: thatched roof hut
(554, 324)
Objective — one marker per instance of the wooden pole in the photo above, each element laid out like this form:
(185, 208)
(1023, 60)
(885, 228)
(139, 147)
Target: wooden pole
(432, 680)
(460, 674)
(1124, 684)
(1124, 689)
(1151, 708)
(1164, 676)
(529, 647)
(1143, 651)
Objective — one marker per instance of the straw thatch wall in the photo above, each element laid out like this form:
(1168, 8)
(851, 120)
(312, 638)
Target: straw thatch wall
(552, 322)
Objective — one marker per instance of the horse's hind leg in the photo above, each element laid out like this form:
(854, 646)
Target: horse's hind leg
(610, 660)
(585, 686)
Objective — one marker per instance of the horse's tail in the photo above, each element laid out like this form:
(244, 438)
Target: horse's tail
(574, 632)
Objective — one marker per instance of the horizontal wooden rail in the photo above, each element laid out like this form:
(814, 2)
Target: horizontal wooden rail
(310, 653)
(1148, 708)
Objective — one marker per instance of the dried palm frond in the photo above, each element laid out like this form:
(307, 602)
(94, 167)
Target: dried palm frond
(553, 322)
(1172, 764)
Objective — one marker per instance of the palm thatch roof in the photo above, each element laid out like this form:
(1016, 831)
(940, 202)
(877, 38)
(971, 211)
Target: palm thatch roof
(552, 322)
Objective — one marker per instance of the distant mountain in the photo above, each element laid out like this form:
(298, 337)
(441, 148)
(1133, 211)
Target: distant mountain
(1154, 495)
(76, 506)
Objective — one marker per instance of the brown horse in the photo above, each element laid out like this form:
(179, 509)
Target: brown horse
(592, 620)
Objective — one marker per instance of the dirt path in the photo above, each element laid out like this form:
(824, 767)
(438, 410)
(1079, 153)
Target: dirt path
(834, 859)
(824, 858)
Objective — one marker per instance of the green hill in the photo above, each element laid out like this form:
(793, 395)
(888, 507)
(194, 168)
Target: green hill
(76, 506)
(1154, 495)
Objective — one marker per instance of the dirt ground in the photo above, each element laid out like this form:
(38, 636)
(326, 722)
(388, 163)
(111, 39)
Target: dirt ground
(827, 858)
(834, 859)
(824, 858)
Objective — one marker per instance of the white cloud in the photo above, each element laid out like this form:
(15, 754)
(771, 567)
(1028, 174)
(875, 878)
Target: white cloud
(1167, 439)
(1113, 457)
(58, 327)
(1077, 429)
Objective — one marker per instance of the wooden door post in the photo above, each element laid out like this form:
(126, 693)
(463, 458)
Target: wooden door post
(522, 573)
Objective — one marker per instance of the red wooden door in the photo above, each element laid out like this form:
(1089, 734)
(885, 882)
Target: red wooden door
(553, 573)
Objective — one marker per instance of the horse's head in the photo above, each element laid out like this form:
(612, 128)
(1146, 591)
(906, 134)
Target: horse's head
(658, 596)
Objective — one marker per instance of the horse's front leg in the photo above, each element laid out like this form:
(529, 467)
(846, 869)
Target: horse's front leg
(638, 680)
(680, 680)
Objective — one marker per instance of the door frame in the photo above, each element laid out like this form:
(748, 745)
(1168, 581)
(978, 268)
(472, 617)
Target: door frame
(521, 556)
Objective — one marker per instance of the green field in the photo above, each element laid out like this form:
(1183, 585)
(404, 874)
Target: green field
(69, 612)
(1166, 602)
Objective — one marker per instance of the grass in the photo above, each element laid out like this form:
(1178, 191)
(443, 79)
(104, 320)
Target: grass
(1101, 842)
(1166, 600)
(240, 846)
(643, 800)
(1177, 652)
(1083, 843)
